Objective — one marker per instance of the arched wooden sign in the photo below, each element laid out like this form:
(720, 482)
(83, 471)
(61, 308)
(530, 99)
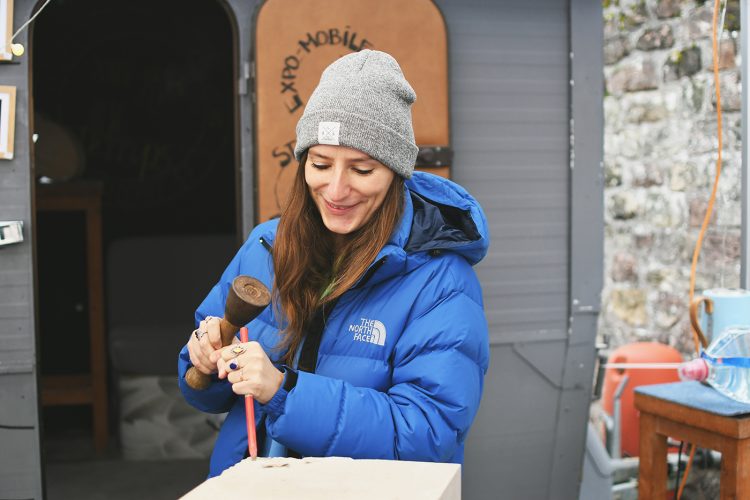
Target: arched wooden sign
(296, 39)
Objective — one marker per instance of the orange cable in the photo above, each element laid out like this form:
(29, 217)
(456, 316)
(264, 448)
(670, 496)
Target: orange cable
(709, 210)
(687, 471)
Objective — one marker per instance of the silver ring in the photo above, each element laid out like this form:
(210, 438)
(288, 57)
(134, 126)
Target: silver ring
(199, 334)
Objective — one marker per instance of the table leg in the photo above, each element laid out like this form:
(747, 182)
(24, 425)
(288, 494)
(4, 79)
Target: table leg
(652, 468)
(98, 347)
(735, 470)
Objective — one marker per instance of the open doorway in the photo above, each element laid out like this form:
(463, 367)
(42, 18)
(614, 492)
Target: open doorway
(136, 163)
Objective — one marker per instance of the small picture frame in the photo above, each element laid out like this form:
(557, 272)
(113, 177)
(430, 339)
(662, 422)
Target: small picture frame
(6, 29)
(7, 121)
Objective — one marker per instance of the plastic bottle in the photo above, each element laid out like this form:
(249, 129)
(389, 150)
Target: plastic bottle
(725, 364)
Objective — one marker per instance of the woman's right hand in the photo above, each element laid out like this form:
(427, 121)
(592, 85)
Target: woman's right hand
(203, 341)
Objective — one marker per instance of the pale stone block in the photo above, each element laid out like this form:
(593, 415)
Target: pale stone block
(731, 92)
(657, 38)
(699, 22)
(667, 8)
(624, 205)
(686, 62)
(624, 267)
(680, 177)
(646, 175)
(668, 309)
(672, 248)
(694, 96)
(612, 173)
(629, 305)
(615, 49)
(664, 279)
(333, 477)
(634, 77)
(665, 209)
(727, 55)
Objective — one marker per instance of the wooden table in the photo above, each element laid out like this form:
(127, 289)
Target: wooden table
(676, 416)
(89, 388)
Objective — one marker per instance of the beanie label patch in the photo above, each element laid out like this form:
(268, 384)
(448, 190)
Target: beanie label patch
(328, 133)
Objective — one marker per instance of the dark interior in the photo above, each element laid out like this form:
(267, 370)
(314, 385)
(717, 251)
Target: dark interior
(143, 91)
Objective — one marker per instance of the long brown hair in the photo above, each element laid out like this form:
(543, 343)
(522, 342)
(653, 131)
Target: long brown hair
(306, 263)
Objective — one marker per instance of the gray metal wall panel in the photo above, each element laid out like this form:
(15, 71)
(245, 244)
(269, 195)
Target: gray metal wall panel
(242, 13)
(511, 115)
(20, 472)
(587, 241)
(20, 460)
(509, 450)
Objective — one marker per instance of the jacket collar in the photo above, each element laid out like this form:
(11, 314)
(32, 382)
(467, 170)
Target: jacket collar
(439, 216)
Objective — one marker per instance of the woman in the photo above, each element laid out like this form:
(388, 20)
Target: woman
(375, 345)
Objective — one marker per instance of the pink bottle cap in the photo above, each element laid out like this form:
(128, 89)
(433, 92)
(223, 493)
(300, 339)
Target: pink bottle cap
(696, 369)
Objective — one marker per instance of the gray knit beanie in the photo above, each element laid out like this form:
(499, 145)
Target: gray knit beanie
(362, 101)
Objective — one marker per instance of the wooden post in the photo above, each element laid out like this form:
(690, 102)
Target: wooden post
(735, 470)
(89, 388)
(95, 278)
(652, 468)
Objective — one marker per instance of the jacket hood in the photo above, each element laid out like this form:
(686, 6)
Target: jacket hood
(445, 217)
(439, 216)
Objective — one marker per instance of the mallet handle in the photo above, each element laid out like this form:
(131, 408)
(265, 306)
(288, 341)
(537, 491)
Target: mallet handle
(200, 381)
(246, 299)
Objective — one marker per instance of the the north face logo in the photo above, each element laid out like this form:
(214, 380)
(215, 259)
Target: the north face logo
(369, 330)
(328, 133)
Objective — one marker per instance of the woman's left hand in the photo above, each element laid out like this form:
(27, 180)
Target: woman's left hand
(247, 367)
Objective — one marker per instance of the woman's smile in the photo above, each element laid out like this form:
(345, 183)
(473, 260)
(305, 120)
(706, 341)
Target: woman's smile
(339, 209)
(347, 186)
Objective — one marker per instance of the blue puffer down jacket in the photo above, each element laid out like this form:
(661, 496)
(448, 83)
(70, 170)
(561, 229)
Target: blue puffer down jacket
(403, 354)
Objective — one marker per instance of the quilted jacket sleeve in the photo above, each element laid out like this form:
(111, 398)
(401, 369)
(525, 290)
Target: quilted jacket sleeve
(438, 370)
(250, 259)
(218, 397)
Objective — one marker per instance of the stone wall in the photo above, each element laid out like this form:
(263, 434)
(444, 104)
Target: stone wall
(660, 152)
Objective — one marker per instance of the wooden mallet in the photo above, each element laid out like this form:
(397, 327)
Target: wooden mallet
(246, 300)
